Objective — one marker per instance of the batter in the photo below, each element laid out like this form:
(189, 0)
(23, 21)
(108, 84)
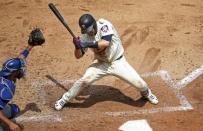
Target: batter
(102, 38)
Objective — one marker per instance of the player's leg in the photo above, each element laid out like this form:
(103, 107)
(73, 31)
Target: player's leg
(123, 70)
(10, 111)
(93, 73)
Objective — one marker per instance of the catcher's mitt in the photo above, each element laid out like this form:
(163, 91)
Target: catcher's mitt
(36, 37)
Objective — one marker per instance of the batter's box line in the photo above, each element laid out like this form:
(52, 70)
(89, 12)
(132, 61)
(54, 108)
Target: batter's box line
(184, 106)
(48, 118)
(176, 86)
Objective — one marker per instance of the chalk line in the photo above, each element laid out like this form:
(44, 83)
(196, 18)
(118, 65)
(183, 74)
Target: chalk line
(48, 118)
(184, 106)
(188, 79)
(176, 86)
(172, 83)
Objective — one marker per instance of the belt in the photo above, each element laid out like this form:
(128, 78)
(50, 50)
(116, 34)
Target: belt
(119, 57)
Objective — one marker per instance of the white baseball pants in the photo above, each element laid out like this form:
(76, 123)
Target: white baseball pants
(119, 68)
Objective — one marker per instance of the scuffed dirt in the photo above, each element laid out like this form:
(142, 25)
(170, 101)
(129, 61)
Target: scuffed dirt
(156, 35)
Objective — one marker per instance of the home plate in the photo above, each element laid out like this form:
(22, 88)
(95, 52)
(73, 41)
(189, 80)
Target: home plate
(135, 125)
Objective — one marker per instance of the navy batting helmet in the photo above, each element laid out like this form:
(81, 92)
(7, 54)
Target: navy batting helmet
(87, 23)
(13, 65)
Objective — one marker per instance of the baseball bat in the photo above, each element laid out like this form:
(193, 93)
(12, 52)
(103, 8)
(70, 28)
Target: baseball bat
(59, 16)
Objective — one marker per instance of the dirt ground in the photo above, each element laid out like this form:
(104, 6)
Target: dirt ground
(157, 35)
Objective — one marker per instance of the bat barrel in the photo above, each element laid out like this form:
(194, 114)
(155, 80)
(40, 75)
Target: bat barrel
(58, 15)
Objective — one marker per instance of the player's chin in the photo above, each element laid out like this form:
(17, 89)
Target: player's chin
(100, 50)
(91, 33)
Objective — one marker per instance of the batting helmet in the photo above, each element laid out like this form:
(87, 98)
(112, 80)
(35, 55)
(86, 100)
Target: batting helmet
(87, 23)
(13, 65)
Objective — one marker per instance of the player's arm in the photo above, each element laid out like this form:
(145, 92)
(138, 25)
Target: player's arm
(101, 45)
(25, 52)
(104, 42)
(78, 53)
(13, 126)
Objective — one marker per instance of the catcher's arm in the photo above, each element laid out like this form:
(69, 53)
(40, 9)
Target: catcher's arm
(23, 55)
(10, 123)
(36, 38)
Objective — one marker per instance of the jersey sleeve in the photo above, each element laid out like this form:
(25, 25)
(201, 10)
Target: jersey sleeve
(107, 38)
(106, 29)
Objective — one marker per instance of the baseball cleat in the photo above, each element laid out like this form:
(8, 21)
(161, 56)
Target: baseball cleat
(59, 104)
(150, 97)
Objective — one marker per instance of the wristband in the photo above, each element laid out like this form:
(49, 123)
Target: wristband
(25, 53)
(93, 44)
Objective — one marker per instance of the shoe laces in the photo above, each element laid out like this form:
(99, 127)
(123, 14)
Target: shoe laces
(62, 102)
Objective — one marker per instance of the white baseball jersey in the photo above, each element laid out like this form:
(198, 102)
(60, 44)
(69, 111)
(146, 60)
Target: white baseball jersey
(115, 49)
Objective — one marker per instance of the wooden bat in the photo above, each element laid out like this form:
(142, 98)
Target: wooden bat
(60, 17)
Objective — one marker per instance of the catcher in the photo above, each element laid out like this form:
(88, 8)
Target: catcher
(12, 70)
(102, 38)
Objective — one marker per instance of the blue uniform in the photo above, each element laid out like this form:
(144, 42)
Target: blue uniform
(7, 91)
(14, 66)
(7, 86)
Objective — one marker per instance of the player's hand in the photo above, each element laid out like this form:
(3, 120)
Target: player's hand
(14, 127)
(77, 42)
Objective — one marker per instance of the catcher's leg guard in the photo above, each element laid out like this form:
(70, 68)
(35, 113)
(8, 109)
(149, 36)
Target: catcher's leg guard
(15, 110)
(11, 111)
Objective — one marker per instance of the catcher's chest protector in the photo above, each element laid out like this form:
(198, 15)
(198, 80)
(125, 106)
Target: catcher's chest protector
(7, 89)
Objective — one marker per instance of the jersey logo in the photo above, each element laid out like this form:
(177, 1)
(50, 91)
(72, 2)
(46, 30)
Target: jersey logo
(105, 28)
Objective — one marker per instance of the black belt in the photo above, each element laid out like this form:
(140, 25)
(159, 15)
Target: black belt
(119, 57)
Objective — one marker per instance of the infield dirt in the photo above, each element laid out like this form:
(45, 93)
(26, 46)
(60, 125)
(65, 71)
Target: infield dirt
(157, 35)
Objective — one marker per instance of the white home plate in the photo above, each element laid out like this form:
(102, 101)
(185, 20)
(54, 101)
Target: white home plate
(135, 125)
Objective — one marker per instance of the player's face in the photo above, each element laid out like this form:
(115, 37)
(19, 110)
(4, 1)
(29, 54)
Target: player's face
(92, 33)
(20, 73)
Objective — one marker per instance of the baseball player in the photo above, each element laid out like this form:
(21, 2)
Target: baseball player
(102, 38)
(12, 70)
